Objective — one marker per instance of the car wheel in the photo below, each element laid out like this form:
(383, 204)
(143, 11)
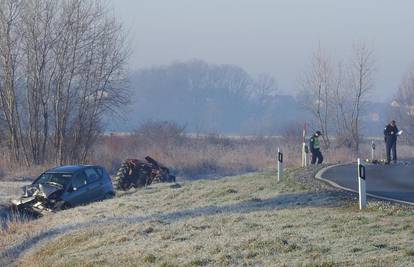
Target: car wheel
(109, 195)
(62, 205)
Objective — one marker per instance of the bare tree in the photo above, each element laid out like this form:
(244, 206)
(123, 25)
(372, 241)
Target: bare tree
(10, 56)
(91, 60)
(317, 89)
(404, 104)
(340, 106)
(63, 64)
(38, 41)
(360, 84)
(336, 97)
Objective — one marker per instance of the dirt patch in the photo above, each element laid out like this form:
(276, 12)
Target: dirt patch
(306, 177)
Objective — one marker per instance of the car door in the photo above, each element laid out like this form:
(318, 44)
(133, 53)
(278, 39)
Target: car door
(106, 181)
(78, 191)
(95, 184)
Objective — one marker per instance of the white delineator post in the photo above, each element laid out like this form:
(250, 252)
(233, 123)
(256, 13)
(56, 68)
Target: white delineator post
(362, 186)
(304, 154)
(279, 164)
(373, 151)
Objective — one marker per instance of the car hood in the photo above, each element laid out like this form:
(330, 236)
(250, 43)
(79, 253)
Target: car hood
(43, 190)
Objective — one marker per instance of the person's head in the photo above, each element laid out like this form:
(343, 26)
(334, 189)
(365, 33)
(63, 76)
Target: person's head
(393, 123)
(318, 133)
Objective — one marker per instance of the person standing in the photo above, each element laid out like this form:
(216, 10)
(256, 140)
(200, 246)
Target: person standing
(315, 148)
(390, 137)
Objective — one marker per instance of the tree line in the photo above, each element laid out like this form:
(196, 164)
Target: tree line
(62, 67)
(211, 98)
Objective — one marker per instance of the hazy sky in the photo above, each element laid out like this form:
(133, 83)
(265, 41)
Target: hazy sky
(271, 36)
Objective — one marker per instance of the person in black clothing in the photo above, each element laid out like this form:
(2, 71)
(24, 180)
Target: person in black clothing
(390, 138)
(315, 148)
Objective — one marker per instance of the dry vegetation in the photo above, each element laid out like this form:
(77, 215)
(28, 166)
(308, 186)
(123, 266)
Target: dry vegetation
(217, 156)
(200, 156)
(243, 220)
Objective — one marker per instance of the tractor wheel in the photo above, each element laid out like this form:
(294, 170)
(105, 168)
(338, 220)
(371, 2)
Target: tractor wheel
(121, 179)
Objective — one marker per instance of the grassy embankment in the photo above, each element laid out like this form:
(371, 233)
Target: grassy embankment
(242, 220)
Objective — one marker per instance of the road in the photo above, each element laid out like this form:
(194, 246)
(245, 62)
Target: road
(388, 181)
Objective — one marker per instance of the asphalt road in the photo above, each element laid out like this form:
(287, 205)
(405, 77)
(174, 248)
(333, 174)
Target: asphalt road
(395, 181)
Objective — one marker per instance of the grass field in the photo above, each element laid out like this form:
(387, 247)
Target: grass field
(237, 221)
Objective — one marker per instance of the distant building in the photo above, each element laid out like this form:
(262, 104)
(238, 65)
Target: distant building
(395, 104)
(409, 108)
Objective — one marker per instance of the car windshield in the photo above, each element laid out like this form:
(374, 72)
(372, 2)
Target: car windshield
(59, 179)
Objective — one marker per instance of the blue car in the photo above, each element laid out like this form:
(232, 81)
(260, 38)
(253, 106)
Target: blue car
(65, 187)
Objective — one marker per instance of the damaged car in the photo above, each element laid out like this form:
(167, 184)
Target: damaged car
(141, 172)
(65, 187)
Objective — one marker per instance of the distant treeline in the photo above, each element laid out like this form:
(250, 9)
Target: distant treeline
(208, 98)
(221, 98)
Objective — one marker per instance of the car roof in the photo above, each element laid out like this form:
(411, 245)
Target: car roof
(70, 168)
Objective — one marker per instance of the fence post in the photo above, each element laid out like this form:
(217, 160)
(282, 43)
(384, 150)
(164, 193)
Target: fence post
(279, 164)
(362, 186)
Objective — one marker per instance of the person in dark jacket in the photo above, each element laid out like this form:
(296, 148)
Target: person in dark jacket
(315, 148)
(390, 137)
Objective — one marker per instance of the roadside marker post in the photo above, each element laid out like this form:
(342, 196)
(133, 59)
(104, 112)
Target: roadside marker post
(279, 164)
(304, 155)
(373, 147)
(304, 148)
(362, 186)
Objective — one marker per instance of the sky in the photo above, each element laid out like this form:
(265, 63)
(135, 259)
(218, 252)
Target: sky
(276, 37)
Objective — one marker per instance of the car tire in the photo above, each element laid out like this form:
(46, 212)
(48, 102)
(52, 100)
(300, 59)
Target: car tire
(62, 205)
(109, 195)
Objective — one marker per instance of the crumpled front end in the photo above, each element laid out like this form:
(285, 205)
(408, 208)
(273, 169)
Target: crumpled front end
(37, 199)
